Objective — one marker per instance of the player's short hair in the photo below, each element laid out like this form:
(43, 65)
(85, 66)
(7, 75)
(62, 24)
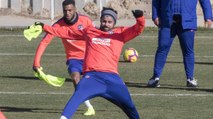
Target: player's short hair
(68, 2)
(109, 11)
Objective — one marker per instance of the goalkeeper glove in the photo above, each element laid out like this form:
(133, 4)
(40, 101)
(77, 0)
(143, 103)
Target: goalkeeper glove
(137, 13)
(39, 24)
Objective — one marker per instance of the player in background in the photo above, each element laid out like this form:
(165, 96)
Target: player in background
(177, 17)
(75, 50)
(103, 49)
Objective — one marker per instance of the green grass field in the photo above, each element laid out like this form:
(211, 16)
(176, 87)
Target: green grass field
(22, 96)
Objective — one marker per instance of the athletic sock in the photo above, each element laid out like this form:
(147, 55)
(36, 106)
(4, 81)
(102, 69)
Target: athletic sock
(87, 103)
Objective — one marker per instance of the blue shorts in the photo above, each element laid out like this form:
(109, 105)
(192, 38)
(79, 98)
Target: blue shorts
(74, 65)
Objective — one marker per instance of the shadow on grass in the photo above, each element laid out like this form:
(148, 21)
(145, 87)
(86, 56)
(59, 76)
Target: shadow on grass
(20, 77)
(200, 63)
(28, 78)
(19, 109)
(122, 61)
(35, 110)
(165, 86)
(178, 62)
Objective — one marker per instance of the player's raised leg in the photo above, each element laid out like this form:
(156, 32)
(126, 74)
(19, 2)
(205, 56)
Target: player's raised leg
(85, 90)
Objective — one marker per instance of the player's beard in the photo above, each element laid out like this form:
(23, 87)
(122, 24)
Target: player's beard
(105, 28)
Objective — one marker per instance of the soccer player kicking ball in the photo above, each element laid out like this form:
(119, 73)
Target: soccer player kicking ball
(74, 49)
(103, 49)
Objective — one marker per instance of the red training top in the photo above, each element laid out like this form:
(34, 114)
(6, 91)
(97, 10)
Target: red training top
(74, 49)
(103, 49)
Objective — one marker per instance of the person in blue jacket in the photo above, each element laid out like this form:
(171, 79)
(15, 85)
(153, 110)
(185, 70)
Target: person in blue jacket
(177, 17)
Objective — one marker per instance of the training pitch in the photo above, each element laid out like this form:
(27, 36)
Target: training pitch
(22, 96)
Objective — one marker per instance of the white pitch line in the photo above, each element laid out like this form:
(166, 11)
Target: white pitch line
(28, 54)
(46, 54)
(207, 37)
(11, 35)
(173, 95)
(175, 56)
(133, 94)
(34, 93)
(18, 35)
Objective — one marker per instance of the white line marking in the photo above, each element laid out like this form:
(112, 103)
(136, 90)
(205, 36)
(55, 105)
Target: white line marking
(46, 54)
(133, 94)
(173, 95)
(18, 35)
(207, 37)
(176, 56)
(27, 54)
(34, 93)
(11, 35)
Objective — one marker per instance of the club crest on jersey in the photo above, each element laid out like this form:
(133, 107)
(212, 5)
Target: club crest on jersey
(87, 76)
(101, 41)
(110, 32)
(80, 27)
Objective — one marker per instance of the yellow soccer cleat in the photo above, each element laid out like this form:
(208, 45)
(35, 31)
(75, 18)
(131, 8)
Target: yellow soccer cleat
(90, 111)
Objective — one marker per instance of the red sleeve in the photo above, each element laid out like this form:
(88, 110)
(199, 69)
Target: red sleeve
(131, 32)
(64, 32)
(42, 47)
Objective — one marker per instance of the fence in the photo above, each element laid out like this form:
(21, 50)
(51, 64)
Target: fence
(42, 8)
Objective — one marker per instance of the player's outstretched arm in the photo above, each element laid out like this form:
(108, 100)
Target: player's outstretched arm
(46, 40)
(131, 32)
(62, 32)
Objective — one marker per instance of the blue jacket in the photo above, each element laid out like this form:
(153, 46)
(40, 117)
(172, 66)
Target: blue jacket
(163, 10)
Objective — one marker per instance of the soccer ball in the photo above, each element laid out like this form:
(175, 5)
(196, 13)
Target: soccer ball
(130, 55)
